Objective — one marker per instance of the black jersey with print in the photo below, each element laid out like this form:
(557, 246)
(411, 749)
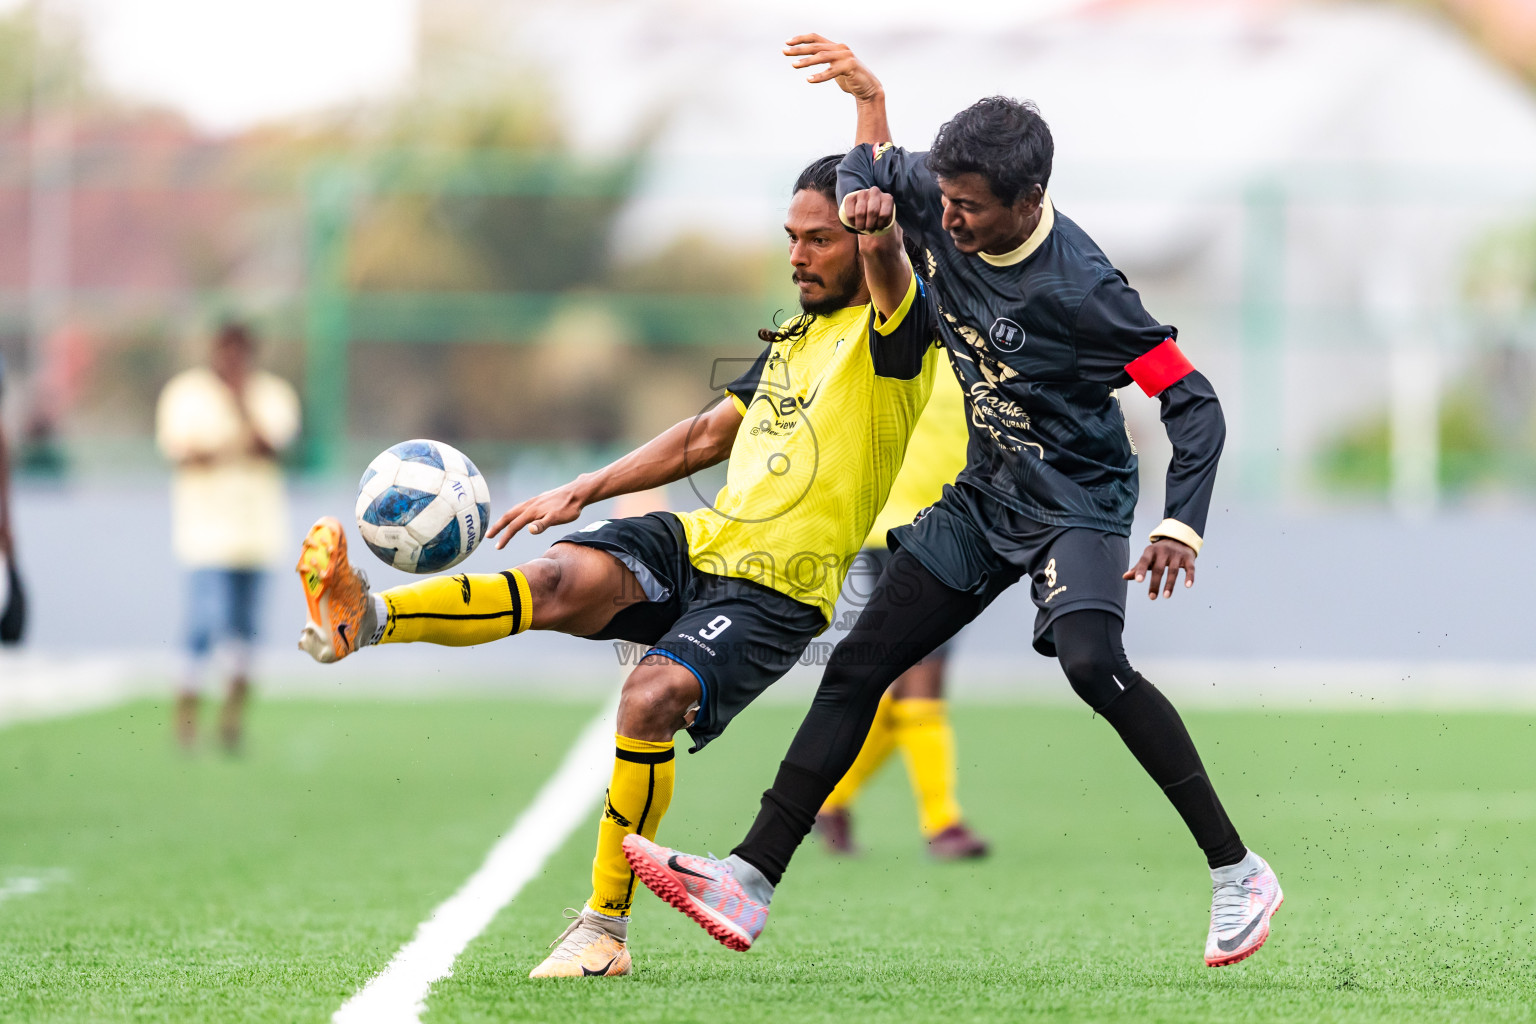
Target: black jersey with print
(1040, 340)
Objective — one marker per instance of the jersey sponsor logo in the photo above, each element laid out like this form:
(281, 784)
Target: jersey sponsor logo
(463, 579)
(788, 405)
(884, 148)
(987, 402)
(1005, 335)
(775, 427)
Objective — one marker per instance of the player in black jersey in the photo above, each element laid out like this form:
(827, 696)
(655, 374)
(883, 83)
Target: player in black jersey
(1042, 330)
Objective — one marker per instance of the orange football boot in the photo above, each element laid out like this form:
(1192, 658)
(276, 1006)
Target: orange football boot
(589, 948)
(338, 596)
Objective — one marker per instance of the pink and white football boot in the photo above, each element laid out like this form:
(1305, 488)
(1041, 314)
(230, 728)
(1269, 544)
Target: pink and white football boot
(1244, 897)
(704, 888)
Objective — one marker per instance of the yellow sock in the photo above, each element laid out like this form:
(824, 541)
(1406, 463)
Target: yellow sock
(458, 611)
(928, 745)
(872, 755)
(639, 793)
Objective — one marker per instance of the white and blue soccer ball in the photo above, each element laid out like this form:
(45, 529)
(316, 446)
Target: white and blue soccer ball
(422, 506)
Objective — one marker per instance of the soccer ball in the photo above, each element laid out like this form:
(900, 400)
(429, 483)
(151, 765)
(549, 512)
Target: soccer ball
(422, 506)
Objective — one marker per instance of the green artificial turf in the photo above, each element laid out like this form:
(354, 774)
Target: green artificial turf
(272, 887)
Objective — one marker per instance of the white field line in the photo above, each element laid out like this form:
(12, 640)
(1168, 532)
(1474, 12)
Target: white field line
(30, 883)
(34, 686)
(397, 994)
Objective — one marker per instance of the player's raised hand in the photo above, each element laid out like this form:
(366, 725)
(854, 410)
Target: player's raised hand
(853, 77)
(869, 211)
(561, 505)
(1164, 555)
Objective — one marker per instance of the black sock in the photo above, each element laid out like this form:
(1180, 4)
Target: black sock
(1093, 657)
(785, 818)
(1155, 733)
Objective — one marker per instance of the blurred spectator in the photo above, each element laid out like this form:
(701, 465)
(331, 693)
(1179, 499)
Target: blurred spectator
(13, 604)
(224, 426)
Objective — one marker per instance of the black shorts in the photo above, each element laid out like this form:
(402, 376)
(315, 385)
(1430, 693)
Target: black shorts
(737, 637)
(978, 545)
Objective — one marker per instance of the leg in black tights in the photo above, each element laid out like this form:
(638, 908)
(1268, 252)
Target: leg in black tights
(1089, 647)
(910, 614)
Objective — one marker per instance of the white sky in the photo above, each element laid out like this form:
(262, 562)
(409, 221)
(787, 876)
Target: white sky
(229, 64)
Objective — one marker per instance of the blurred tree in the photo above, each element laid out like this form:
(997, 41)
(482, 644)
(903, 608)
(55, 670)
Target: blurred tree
(1487, 423)
(36, 63)
(481, 194)
(694, 263)
(1501, 274)
(1487, 432)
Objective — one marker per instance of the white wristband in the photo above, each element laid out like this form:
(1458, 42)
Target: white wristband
(1172, 529)
(890, 225)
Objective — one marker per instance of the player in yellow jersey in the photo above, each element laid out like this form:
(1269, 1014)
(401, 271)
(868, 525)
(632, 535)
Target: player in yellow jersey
(913, 716)
(726, 597)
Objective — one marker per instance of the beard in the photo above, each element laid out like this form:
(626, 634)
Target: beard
(838, 295)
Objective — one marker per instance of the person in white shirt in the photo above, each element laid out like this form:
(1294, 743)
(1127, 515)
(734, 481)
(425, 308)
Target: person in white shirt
(224, 427)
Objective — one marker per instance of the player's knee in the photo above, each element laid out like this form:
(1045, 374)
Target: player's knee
(1097, 674)
(543, 575)
(657, 698)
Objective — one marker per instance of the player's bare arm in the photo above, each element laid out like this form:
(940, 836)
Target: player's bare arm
(1164, 555)
(887, 271)
(852, 76)
(681, 449)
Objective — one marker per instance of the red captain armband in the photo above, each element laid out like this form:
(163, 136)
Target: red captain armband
(1160, 369)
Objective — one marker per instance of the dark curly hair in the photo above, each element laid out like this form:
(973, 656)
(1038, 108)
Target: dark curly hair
(1001, 139)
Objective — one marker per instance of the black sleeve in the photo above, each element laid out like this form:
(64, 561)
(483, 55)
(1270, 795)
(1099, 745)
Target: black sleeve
(743, 388)
(1113, 329)
(1191, 414)
(898, 345)
(904, 175)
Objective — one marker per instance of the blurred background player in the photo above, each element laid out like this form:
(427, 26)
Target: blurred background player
(224, 426)
(12, 598)
(913, 715)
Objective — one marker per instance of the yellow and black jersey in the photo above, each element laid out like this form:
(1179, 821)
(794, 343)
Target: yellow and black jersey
(935, 455)
(826, 415)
